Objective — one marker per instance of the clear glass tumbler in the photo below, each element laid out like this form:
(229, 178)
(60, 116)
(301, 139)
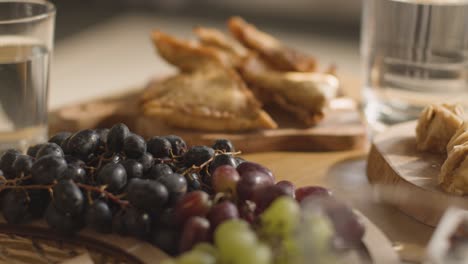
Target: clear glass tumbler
(414, 52)
(26, 44)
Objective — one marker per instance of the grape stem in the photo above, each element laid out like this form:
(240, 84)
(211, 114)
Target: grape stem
(90, 188)
(206, 163)
(109, 195)
(14, 181)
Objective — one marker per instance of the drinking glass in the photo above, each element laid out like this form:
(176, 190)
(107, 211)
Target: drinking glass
(26, 44)
(414, 52)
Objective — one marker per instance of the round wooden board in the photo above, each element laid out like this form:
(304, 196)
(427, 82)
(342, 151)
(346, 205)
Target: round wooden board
(341, 129)
(37, 242)
(406, 177)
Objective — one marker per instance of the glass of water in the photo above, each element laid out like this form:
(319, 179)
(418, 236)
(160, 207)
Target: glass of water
(26, 43)
(414, 52)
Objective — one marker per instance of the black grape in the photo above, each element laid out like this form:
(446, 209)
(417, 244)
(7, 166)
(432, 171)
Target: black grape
(59, 138)
(99, 217)
(23, 164)
(114, 176)
(223, 145)
(131, 221)
(68, 198)
(102, 132)
(75, 173)
(49, 149)
(159, 170)
(133, 168)
(64, 145)
(83, 143)
(193, 182)
(222, 159)
(38, 201)
(47, 169)
(165, 239)
(134, 146)
(62, 223)
(137, 223)
(72, 160)
(239, 160)
(6, 163)
(147, 161)
(116, 137)
(178, 145)
(198, 155)
(159, 147)
(32, 150)
(176, 186)
(148, 195)
(15, 207)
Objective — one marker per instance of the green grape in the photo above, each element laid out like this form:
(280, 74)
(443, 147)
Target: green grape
(233, 237)
(281, 218)
(289, 252)
(260, 254)
(206, 248)
(196, 257)
(169, 261)
(315, 238)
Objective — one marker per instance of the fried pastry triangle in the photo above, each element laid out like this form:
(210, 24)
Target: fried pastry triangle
(211, 37)
(279, 56)
(304, 94)
(207, 96)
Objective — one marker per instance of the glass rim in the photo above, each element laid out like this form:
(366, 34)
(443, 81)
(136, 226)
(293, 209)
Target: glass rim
(49, 11)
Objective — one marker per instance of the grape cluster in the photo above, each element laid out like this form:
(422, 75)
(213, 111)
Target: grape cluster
(203, 203)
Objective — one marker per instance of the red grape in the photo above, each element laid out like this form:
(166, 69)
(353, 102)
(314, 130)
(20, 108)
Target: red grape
(222, 212)
(250, 182)
(311, 191)
(196, 203)
(196, 230)
(246, 212)
(225, 179)
(348, 228)
(264, 196)
(246, 167)
(287, 187)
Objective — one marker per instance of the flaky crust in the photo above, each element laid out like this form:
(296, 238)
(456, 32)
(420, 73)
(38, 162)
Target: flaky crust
(216, 39)
(436, 126)
(278, 55)
(303, 94)
(453, 177)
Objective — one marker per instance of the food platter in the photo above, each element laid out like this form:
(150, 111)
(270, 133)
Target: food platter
(406, 177)
(341, 129)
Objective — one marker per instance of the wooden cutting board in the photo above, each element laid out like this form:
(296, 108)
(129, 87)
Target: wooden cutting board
(342, 128)
(406, 177)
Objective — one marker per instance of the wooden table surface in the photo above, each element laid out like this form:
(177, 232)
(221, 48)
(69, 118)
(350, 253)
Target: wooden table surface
(344, 173)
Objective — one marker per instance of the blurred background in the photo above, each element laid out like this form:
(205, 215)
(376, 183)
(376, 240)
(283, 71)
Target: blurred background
(104, 45)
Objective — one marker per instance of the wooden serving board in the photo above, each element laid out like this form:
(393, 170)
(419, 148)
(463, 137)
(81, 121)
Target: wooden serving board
(406, 177)
(35, 242)
(341, 129)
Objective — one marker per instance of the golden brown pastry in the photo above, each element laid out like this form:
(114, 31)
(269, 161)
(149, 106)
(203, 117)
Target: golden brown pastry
(453, 177)
(436, 126)
(214, 38)
(304, 94)
(188, 56)
(459, 138)
(207, 96)
(278, 55)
